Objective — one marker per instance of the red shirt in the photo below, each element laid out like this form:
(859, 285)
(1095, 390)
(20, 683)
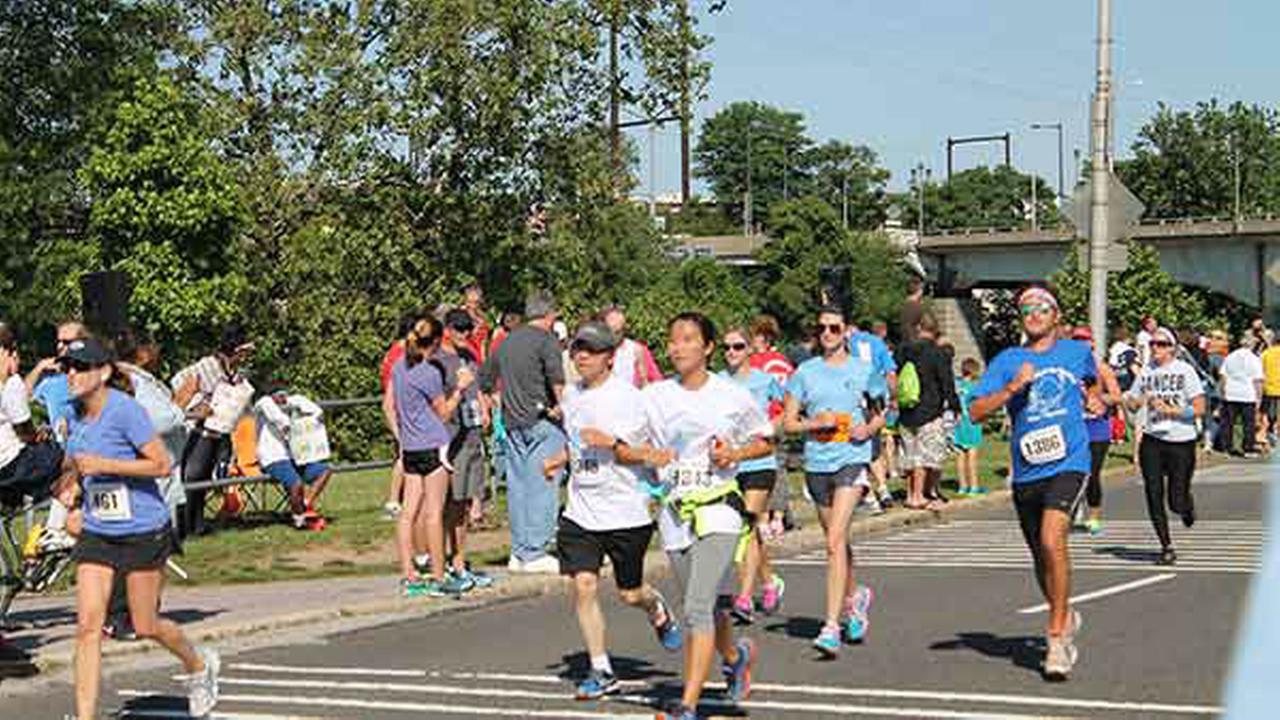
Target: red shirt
(394, 353)
(478, 340)
(774, 363)
(496, 342)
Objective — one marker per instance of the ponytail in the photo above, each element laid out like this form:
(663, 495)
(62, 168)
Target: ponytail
(425, 333)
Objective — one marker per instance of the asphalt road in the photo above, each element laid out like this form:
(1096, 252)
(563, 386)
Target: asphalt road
(955, 633)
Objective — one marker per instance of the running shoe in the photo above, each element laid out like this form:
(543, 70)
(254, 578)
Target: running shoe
(461, 578)
(547, 564)
(412, 588)
(1060, 658)
(678, 712)
(668, 631)
(979, 490)
(1167, 557)
(54, 539)
(1094, 526)
(598, 684)
(202, 687)
(737, 676)
(1189, 518)
(772, 594)
(886, 498)
(857, 614)
(391, 511)
(477, 579)
(422, 563)
(449, 586)
(742, 609)
(828, 640)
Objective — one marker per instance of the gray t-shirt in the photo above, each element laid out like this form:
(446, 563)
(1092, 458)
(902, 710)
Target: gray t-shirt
(528, 366)
(1177, 384)
(468, 413)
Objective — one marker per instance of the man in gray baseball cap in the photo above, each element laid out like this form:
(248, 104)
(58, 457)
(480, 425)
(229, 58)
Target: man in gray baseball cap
(594, 337)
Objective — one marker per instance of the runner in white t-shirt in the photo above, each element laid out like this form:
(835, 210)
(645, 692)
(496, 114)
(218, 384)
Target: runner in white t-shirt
(699, 427)
(1171, 393)
(607, 511)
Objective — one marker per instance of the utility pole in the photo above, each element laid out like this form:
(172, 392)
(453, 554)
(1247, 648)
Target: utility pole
(746, 202)
(1099, 235)
(683, 9)
(1035, 202)
(1235, 162)
(844, 199)
(1062, 193)
(920, 178)
(615, 94)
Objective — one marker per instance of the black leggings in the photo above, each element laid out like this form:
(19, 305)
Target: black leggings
(1097, 457)
(199, 459)
(1167, 462)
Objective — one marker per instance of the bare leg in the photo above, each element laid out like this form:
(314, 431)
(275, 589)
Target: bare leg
(395, 490)
(431, 518)
(455, 517)
(590, 617)
(757, 560)
(835, 523)
(144, 601)
(1057, 567)
(413, 494)
(317, 488)
(93, 593)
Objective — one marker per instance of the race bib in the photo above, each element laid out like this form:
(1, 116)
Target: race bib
(584, 467)
(685, 477)
(864, 352)
(110, 503)
(841, 433)
(1045, 445)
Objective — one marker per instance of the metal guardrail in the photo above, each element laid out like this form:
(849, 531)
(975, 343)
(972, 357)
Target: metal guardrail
(1186, 220)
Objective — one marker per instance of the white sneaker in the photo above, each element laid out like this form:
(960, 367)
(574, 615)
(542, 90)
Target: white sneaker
(545, 564)
(202, 687)
(52, 539)
(390, 511)
(514, 565)
(1061, 658)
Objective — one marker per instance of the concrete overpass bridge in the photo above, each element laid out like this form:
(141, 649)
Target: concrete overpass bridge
(1238, 258)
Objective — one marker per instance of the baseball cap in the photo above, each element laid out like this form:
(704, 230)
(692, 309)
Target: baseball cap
(87, 351)
(594, 337)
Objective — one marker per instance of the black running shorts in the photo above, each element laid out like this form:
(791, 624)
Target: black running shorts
(1061, 492)
(583, 550)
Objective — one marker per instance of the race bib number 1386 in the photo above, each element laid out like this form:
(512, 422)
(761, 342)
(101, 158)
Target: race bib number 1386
(1045, 445)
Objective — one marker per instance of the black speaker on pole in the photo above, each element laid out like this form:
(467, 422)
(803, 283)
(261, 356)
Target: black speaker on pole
(104, 302)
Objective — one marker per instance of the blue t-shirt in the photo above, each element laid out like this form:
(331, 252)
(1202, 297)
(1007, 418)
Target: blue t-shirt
(820, 387)
(115, 506)
(52, 392)
(1049, 435)
(415, 387)
(765, 390)
(868, 347)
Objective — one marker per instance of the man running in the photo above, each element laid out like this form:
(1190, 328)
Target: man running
(837, 395)
(607, 511)
(1043, 385)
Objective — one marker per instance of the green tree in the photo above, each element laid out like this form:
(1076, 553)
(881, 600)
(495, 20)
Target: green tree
(980, 198)
(847, 177)
(696, 284)
(755, 141)
(1142, 289)
(1185, 161)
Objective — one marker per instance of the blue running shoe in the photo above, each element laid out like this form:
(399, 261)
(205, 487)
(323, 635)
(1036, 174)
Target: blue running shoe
(461, 580)
(668, 632)
(679, 712)
(828, 641)
(737, 676)
(598, 684)
(857, 619)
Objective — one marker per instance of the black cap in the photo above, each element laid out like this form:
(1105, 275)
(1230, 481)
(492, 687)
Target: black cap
(87, 351)
(594, 337)
(459, 319)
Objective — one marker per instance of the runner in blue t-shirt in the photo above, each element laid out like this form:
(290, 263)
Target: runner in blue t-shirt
(1042, 383)
(839, 397)
(756, 478)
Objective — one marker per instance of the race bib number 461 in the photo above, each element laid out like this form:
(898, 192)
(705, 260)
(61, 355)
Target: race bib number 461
(110, 503)
(1045, 445)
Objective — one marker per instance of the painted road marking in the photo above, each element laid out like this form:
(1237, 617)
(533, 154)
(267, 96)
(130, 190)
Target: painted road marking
(1105, 592)
(1070, 704)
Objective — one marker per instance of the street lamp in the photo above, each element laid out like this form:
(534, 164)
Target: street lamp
(920, 176)
(1062, 196)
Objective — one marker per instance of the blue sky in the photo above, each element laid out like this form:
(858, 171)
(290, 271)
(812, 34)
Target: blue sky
(901, 76)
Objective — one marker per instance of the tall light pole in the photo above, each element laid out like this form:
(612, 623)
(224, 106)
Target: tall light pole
(1062, 193)
(1099, 233)
(920, 176)
(746, 201)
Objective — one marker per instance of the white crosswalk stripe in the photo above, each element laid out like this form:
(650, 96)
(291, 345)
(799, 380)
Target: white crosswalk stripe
(1225, 546)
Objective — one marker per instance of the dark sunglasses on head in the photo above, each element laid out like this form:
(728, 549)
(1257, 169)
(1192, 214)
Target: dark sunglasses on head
(735, 346)
(835, 329)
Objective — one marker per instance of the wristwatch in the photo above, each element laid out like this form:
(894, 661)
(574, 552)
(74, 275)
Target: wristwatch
(617, 443)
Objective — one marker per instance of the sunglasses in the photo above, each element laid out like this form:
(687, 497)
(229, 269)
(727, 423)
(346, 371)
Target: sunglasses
(736, 347)
(1161, 343)
(833, 329)
(78, 366)
(1038, 309)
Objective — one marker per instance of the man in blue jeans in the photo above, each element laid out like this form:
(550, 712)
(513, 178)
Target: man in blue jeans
(528, 373)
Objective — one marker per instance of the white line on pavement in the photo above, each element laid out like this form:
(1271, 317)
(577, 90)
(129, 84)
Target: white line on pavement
(1105, 592)
(818, 690)
(288, 669)
(169, 715)
(1025, 565)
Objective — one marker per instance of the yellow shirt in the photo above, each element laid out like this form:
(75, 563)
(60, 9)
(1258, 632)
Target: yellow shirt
(1271, 371)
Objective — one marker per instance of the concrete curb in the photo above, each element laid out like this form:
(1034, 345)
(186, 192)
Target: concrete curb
(520, 587)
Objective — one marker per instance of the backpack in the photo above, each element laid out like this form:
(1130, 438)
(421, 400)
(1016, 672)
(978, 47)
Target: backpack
(908, 386)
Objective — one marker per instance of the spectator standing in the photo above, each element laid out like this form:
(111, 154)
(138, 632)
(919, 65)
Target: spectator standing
(968, 434)
(528, 366)
(391, 508)
(1271, 386)
(632, 361)
(293, 448)
(912, 310)
(47, 384)
(1242, 378)
(214, 394)
(478, 338)
(510, 321)
(920, 417)
(1146, 331)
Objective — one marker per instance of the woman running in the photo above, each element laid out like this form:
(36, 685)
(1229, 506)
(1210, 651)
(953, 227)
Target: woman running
(838, 395)
(1172, 395)
(756, 479)
(1101, 397)
(418, 402)
(115, 456)
(699, 427)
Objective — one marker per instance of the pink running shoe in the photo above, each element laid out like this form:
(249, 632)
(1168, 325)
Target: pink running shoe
(771, 595)
(742, 609)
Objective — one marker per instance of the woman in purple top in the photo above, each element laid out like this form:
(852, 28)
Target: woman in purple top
(1101, 397)
(417, 401)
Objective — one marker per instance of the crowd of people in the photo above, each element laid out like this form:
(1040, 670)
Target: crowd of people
(597, 450)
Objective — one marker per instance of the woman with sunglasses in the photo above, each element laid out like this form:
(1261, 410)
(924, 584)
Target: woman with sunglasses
(1170, 391)
(114, 456)
(699, 427)
(417, 402)
(756, 479)
(834, 400)
(1043, 385)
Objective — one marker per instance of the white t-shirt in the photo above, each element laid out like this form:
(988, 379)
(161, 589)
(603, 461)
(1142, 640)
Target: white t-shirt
(1177, 384)
(687, 421)
(625, 358)
(1241, 369)
(603, 494)
(14, 410)
(1143, 342)
(276, 425)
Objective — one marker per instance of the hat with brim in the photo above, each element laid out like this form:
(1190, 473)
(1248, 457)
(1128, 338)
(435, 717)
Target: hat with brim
(87, 351)
(594, 337)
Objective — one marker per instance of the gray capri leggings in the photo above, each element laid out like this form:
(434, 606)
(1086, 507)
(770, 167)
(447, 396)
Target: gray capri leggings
(705, 573)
